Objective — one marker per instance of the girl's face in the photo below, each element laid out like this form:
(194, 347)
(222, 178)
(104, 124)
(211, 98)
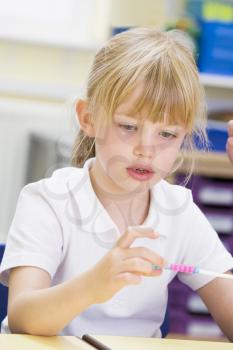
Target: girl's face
(133, 153)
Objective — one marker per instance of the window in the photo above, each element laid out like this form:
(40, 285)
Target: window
(59, 22)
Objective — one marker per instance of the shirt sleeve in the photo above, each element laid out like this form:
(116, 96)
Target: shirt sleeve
(203, 248)
(35, 235)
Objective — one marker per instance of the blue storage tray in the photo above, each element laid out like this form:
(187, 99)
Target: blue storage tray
(217, 135)
(216, 47)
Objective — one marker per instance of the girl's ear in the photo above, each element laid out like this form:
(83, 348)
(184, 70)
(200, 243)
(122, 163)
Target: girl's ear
(84, 118)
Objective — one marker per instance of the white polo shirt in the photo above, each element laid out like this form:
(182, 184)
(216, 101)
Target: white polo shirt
(62, 227)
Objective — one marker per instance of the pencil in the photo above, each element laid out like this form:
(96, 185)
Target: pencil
(94, 342)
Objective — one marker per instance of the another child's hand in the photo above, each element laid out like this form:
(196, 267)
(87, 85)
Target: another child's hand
(124, 266)
(229, 146)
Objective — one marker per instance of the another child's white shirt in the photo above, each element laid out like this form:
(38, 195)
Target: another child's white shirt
(61, 226)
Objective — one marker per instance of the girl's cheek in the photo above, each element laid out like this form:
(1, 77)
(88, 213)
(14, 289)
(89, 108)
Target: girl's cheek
(104, 135)
(165, 159)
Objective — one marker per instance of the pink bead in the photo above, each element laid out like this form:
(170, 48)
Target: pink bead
(182, 268)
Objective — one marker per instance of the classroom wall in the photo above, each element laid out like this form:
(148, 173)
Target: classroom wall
(39, 81)
(29, 68)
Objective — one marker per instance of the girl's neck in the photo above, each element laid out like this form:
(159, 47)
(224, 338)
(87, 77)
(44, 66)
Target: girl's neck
(124, 209)
(107, 195)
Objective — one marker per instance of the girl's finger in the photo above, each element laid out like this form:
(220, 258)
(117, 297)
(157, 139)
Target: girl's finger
(229, 148)
(230, 128)
(134, 232)
(127, 278)
(138, 266)
(143, 253)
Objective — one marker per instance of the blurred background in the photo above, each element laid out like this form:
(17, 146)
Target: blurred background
(46, 49)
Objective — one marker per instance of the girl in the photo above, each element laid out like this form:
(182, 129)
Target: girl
(82, 244)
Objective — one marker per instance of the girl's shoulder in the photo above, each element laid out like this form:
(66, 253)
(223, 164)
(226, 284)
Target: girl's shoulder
(59, 185)
(173, 189)
(64, 175)
(172, 196)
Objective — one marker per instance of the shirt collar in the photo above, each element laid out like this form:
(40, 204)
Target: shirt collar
(90, 214)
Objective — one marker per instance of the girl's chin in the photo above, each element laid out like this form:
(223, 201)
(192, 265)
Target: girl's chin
(127, 185)
(134, 187)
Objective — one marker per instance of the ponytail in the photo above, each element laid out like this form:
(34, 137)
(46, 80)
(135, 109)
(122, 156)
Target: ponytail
(83, 149)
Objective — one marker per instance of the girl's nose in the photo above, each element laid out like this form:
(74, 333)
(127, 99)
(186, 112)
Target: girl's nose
(147, 151)
(145, 146)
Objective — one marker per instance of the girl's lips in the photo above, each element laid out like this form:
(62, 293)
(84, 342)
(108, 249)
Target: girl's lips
(146, 167)
(140, 175)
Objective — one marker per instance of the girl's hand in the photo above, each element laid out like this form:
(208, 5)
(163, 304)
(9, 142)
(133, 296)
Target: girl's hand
(124, 266)
(229, 146)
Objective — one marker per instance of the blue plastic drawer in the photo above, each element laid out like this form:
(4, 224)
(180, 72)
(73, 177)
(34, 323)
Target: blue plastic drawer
(216, 47)
(212, 192)
(217, 136)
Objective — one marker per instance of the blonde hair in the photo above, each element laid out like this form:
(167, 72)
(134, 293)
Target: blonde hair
(164, 63)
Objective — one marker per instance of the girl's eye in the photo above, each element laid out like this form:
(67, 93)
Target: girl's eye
(128, 127)
(167, 135)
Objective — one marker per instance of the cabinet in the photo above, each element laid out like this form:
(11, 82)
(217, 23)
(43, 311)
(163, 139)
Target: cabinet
(212, 188)
(188, 314)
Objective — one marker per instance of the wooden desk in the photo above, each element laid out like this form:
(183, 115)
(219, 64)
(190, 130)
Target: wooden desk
(131, 343)
(28, 342)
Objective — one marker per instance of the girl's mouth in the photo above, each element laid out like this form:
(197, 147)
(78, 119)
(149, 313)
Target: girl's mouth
(140, 174)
